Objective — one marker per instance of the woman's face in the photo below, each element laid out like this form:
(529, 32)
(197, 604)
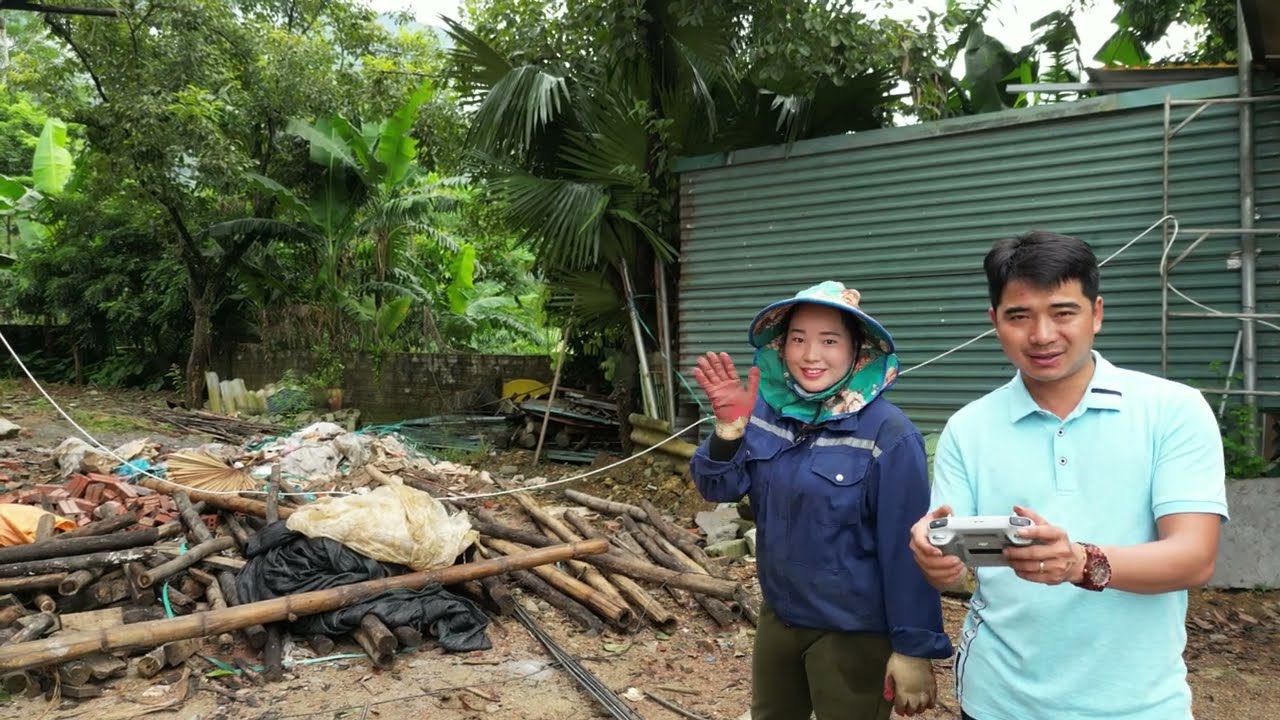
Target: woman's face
(818, 348)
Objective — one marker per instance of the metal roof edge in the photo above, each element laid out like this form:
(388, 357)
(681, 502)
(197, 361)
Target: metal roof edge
(1216, 87)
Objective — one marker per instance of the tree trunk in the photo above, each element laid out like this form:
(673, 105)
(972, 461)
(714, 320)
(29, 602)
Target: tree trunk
(201, 340)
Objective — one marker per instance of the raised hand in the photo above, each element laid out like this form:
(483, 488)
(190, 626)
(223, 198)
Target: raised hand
(731, 401)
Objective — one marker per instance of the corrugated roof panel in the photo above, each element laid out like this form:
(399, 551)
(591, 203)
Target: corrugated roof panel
(906, 216)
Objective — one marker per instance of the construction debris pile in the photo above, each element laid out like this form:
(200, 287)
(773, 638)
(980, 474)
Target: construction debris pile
(163, 562)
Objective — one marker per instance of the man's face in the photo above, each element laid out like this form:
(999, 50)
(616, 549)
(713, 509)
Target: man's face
(1047, 333)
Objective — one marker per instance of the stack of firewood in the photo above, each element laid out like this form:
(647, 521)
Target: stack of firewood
(83, 606)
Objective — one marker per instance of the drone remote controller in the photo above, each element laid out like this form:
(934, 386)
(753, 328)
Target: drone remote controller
(979, 540)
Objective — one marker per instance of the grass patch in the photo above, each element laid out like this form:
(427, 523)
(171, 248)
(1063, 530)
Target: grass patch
(8, 388)
(101, 423)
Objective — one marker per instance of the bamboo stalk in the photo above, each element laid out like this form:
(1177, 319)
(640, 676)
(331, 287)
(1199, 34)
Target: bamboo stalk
(76, 581)
(376, 640)
(213, 594)
(111, 587)
(273, 654)
(680, 539)
(44, 528)
(150, 664)
(222, 502)
(573, 609)
(273, 497)
(649, 607)
(76, 672)
(38, 626)
(322, 644)
(600, 504)
(499, 593)
(196, 529)
(185, 560)
(670, 445)
(254, 633)
(100, 527)
(73, 563)
(605, 606)
(44, 603)
(237, 529)
(9, 615)
(551, 397)
(74, 645)
(78, 546)
(676, 560)
(407, 636)
(557, 530)
(614, 561)
(31, 582)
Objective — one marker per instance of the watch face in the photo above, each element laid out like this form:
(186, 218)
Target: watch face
(1099, 574)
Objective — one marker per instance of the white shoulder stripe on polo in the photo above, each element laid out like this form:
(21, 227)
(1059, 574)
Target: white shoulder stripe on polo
(863, 443)
(773, 429)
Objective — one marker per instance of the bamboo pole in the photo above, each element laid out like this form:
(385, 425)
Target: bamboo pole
(31, 582)
(185, 560)
(44, 603)
(101, 527)
(601, 603)
(680, 539)
(148, 634)
(557, 530)
(222, 502)
(76, 581)
(197, 531)
(573, 609)
(551, 398)
(613, 561)
(36, 627)
(600, 504)
(78, 546)
(407, 636)
(670, 445)
(75, 562)
(719, 611)
(376, 641)
(649, 606)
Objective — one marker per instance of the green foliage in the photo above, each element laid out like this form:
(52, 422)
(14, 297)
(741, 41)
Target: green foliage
(1240, 430)
(105, 423)
(1142, 23)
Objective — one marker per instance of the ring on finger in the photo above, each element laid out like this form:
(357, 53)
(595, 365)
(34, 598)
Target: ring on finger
(1041, 566)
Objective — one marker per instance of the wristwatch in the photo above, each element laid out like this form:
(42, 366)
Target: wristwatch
(1096, 575)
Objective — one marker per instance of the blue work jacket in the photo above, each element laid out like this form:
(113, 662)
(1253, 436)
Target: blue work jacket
(834, 505)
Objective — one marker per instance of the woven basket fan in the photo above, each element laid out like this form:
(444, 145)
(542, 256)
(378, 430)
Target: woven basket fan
(202, 471)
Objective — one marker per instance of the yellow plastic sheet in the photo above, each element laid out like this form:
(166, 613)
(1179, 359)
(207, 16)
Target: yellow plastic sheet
(18, 523)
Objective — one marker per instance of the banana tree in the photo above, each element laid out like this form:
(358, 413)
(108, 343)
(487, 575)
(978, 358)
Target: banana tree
(51, 169)
(373, 200)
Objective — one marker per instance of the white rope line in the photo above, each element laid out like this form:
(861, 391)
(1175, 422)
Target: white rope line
(589, 473)
(1141, 235)
(167, 481)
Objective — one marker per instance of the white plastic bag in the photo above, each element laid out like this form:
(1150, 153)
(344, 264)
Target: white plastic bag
(394, 523)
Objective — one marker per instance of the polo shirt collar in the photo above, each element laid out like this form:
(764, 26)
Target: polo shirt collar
(1104, 392)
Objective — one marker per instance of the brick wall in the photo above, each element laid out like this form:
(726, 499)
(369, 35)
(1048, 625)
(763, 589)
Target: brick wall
(402, 385)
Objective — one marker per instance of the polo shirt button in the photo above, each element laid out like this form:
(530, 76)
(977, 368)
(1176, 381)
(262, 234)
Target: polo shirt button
(1062, 461)
(839, 477)
(1061, 432)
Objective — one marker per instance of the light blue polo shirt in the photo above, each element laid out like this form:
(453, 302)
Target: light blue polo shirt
(1136, 448)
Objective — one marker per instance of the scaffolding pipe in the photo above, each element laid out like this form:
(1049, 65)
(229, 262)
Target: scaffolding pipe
(1248, 245)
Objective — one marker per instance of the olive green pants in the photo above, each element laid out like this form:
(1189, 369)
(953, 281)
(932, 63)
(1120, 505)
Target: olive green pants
(836, 675)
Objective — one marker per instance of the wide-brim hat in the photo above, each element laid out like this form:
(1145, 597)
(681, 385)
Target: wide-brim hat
(769, 323)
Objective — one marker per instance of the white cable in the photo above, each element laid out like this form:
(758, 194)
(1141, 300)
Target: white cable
(571, 478)
(166, 481)
(112, 453)
(1143, 234)
(1164, 259)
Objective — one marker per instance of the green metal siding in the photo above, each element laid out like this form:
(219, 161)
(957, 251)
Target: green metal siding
(905, 215)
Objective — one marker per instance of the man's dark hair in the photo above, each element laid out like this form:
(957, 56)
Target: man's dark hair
(1043, 260)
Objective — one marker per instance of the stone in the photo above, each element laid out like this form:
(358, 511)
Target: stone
(749, 537)
(8, 429)
(732, 549)
(719, 524)
(508, 470)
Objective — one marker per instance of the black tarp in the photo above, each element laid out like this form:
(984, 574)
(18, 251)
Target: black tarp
(283, 562)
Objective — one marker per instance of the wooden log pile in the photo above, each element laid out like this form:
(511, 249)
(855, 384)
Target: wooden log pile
(649, 558)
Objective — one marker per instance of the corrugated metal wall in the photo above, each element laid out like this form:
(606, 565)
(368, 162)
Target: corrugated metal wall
(906, 214)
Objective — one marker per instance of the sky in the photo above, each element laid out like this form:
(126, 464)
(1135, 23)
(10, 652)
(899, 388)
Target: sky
(1010, 23)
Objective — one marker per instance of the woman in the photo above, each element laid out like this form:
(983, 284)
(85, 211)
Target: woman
(836, 475)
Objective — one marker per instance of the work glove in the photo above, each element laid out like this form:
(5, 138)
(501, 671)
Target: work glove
(909, 684)
(731, 401)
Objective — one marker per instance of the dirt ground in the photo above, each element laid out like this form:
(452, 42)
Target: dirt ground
(1233, 637)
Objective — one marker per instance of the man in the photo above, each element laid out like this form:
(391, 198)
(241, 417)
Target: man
(1122, 475)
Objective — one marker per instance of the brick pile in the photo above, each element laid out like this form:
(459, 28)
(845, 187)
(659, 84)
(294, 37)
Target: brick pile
(92, 496)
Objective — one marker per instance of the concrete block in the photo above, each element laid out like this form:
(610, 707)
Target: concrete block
(8, 429)
(718, 524)
(749, 537)
(732, 549)
(1247, 556)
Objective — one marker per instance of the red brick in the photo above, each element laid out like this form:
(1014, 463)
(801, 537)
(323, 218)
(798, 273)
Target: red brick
(68, 508)
(147, 521)
(84, 505)
(94, 493)
(128, 490)
(77, 485)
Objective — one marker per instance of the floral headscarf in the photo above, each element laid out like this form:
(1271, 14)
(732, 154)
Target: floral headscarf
(875, 369)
